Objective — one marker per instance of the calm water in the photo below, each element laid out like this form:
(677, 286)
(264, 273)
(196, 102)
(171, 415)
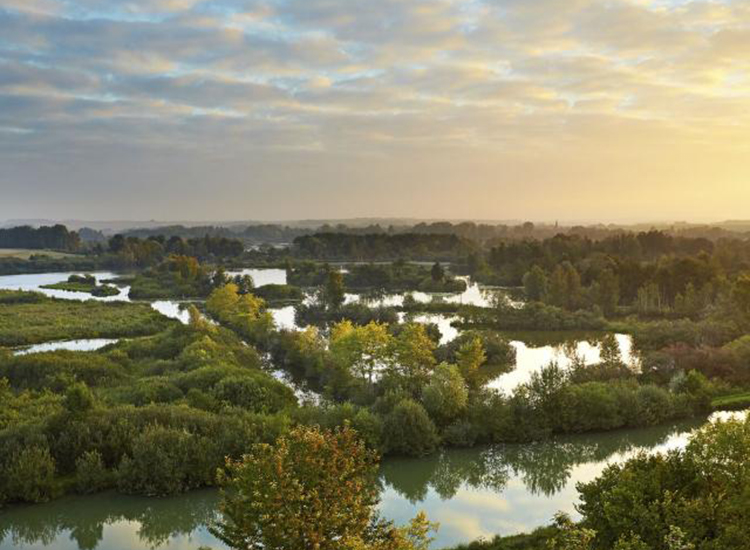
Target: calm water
(474, 492)
(262, 276)
(531, 358)
(35, 281)
(92, 344)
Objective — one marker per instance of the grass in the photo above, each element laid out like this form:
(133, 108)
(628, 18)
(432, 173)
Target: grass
(735, 401)
(31, 318)
(96, 290)
(25, 253)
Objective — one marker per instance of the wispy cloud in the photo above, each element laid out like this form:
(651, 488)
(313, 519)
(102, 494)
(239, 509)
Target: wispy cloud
(441, 93)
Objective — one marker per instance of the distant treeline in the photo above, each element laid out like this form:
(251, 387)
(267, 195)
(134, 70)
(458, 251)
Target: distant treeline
(55, 237)
(482, 233)
(331, 246)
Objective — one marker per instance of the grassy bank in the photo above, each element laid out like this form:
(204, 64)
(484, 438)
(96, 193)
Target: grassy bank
(31, 318)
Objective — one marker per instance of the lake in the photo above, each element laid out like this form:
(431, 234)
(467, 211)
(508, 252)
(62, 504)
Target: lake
(501, 489)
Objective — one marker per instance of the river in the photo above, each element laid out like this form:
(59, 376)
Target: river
(475, 492)
(502, 489)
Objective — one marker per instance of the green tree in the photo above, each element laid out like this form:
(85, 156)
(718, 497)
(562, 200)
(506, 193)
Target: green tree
(312, 490)
(535, 284)
(437, 272)
(334, 290)
(29, 475)
(414, 357)
(409, 430)
(446, 396)
(470, 357)
(361, 349)
(609, 350)
(607, 291)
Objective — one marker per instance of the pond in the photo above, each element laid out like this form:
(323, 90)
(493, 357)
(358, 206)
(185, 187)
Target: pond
(532, 358)
(474, 295)
(502, 489)
(91, 344)
(261, 276)
(35, 282)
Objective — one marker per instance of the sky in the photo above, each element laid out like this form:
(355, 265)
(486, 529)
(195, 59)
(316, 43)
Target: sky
(609, 110)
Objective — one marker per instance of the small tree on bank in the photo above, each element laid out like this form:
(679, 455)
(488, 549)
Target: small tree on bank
(313, 490)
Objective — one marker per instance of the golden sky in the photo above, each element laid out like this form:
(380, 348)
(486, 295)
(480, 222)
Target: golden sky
(277, 109)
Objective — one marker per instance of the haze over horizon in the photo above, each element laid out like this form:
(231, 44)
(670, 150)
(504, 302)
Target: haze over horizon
(627, 110)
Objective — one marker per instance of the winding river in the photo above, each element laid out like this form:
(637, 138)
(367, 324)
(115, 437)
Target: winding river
(503, 489)
(473, 492)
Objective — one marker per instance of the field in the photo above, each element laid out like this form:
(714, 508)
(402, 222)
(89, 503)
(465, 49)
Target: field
(738, 401)
(28, 318)
(25, 254)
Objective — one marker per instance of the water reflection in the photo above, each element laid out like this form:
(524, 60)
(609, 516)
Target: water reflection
(262, 276)
(35, 282)
(173, 310)
(472, 492)
(544, 467)
(112, 521)
(509, 489)
(91, 344)
(532, 357)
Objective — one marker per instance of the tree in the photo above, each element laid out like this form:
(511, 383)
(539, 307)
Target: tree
(413, 355)
(409, 430)
(607, 291)
(535, 284)
(334, 291)
(446, 396)
(363, 350)
(691, 499)
(312, 490)
(609, 350)
(437, 272)
(470, 357)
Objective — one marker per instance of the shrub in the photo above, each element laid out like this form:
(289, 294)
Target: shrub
(445, 397)
(30, 474)
(256, 393)
(409, 430)
(91, 474)
(167, 461)
(654, 405)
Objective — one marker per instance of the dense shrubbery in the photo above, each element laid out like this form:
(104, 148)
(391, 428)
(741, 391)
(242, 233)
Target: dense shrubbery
(696, 498)
(361, 314)
(398, 276)
(177, 277)
(84, 283)
(125, 416)
(531, 316)
(279, 294)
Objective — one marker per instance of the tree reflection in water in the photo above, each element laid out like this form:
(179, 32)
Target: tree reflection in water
(84, 519)
(545, 468)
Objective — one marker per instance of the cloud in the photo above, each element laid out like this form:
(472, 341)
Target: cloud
(489, 84)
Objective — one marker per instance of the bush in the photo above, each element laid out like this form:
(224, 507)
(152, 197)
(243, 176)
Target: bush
(30, 475)
(460, 434)
(654, 405)
(167, 461)
(409, 430)
(91, 474)
(259, 394)
(445, 397)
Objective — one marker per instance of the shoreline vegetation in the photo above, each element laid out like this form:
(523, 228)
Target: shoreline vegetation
(159, 415)
(86, 284)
